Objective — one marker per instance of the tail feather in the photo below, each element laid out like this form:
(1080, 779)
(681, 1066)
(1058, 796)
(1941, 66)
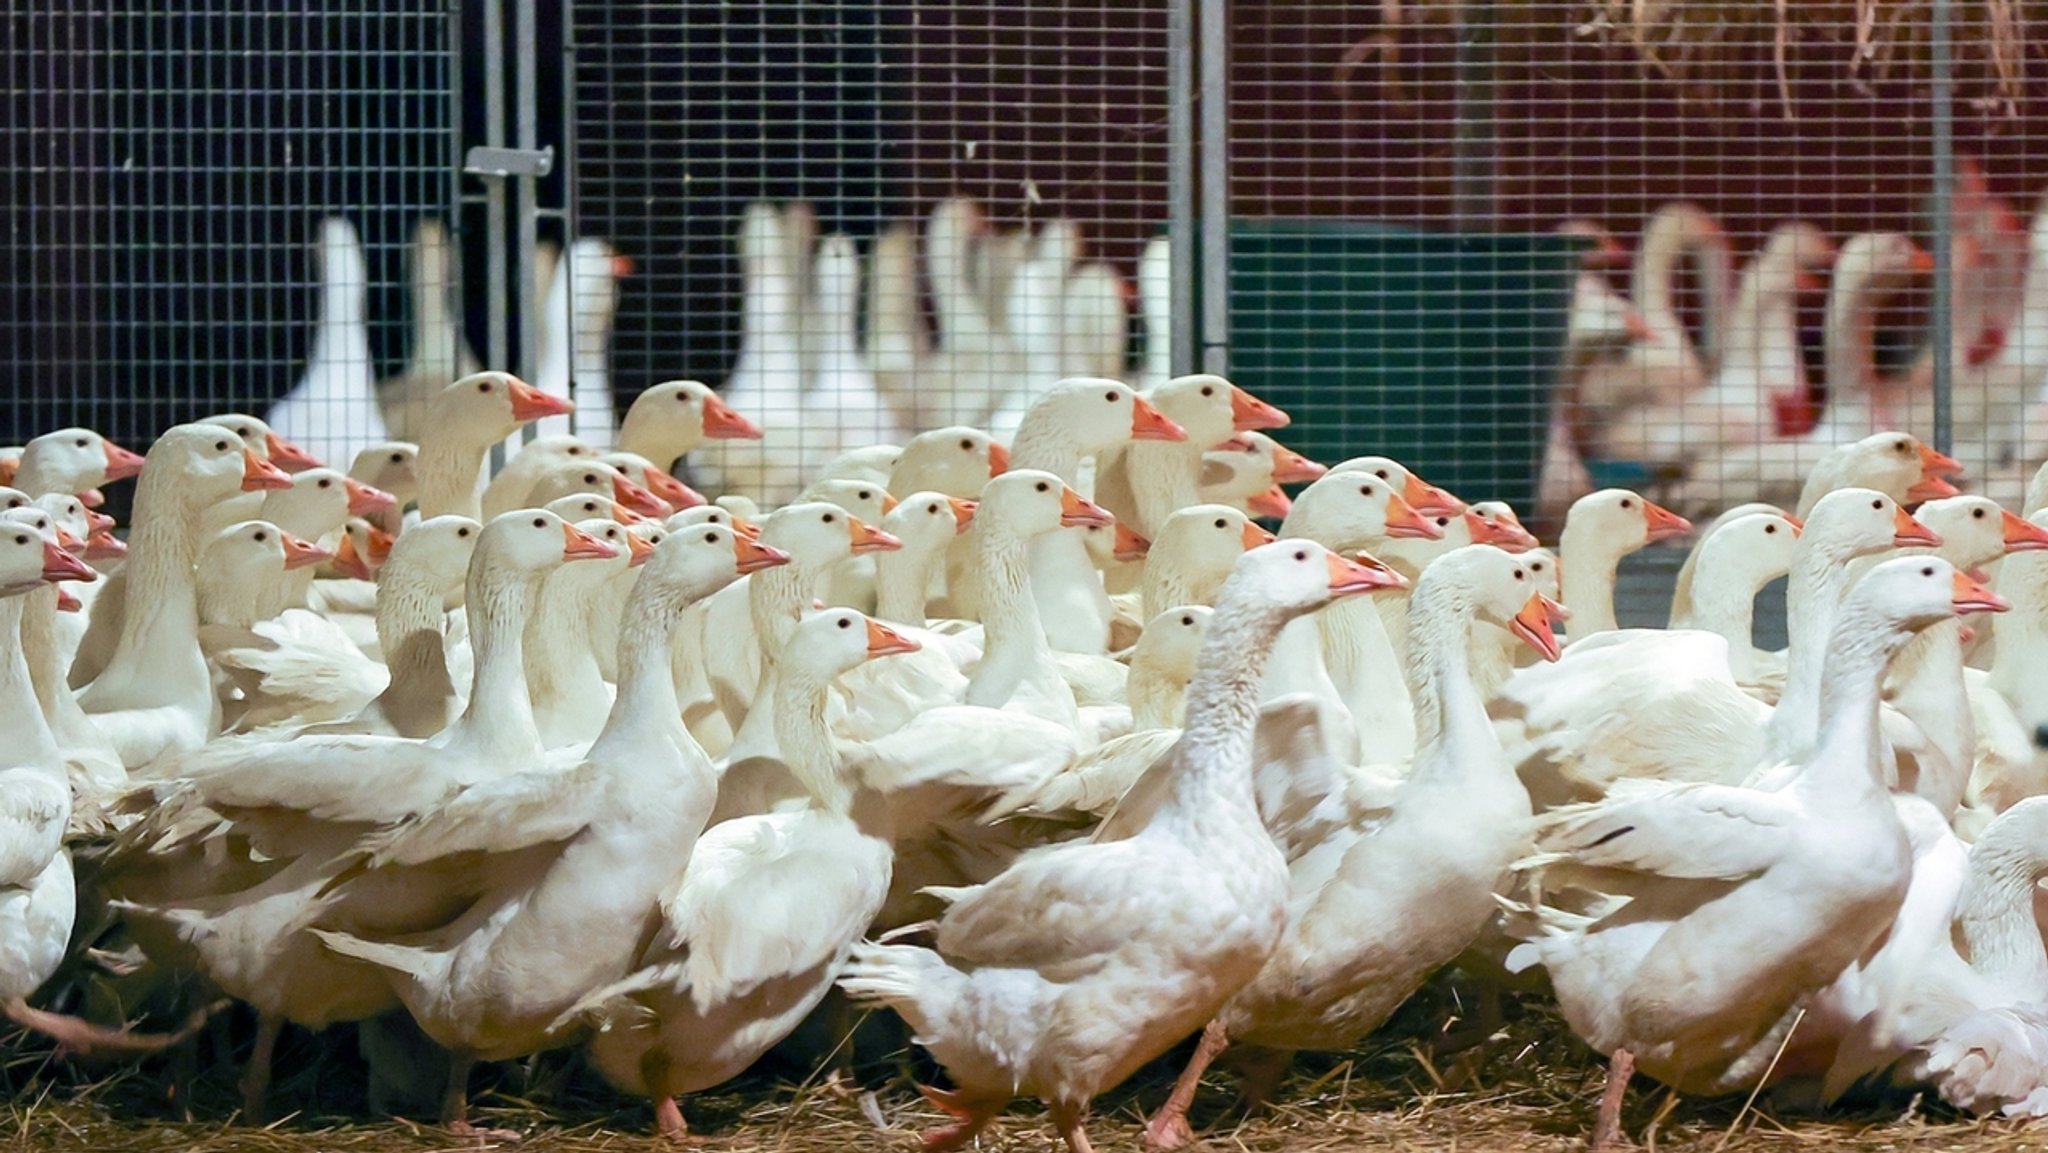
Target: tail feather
(408, 960)
(910, 979)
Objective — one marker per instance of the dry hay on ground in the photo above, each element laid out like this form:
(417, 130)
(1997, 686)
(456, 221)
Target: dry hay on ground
(1531, 1091)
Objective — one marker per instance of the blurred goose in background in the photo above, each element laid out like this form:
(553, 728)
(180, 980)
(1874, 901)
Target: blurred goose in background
(439, 353)
(334, 403)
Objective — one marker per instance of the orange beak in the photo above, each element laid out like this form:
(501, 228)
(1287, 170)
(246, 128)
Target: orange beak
(637, 550)
(380, 546)
(59, 565)
(753, 556)
(867, 539)
(90, 498)
(1148, 423)
(300, 553)
(1274, 503)
(1804, 281)
(998, 459)
(67, 542)
(350, 561)
(1500, 533)
(1971, 597)
(1639, 330)
(1248, 412)
(580, 545)
(1533, 625)
(2022, 535)
(1253, 536)
(66, 603)
(104, 545)
(9, 469)
(1129, 546)
(1663, 524)
(259, 474)
(636, 498)
(622, 266)
(963, 513)
(530, 403)
(364, 500)
(721, 422)
(884, 641)
(1908, 533)
(1931, 488)
(1404, 521)
(1933, 463)
(98, 522)
(1077, 511)
(888, 504)
(1364, 575)
(1428, 499)
(625, 515)
(288, 456)
(1290, 467)
(122, 464)
(741, 526)
(678, 495)
(1921, 261)
(1238, 442)
(1798, 526)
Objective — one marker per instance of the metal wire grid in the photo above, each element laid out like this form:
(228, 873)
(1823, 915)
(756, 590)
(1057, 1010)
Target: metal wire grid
(861, 119)
(169, 172)
(1362, 127)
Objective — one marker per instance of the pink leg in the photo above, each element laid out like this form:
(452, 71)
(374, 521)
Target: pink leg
(669, 1122)
(74, 1035)
(1607, 1128)
(455, 1103)
(1169, 1128)
(974, 1114)
(1069, 1120)
(256, 1074)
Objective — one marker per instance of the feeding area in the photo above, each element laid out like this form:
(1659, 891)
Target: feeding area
(1233, 574)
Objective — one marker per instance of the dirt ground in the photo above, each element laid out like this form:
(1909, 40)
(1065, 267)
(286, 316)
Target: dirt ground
(1531, 1090)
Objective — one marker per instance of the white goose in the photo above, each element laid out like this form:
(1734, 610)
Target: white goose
(464, 421)
(576, 338)
(439, 354)
(335, 401)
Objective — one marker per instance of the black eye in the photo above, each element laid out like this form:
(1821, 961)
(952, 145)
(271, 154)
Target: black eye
(932, 509)
(1903, 447)
(1382, 474)
(327, 484)
(1365, 490)
(710, 538)
(966, 445)
(1300, 555)
(462, 532)
(483, 386)
(589, 478)
(1110, 397)
(575, 450)
(1977, 513)
(1928, 571)
(829, 518)
(1877, 504)
(611, 534)
(1208, 390)
(220, 446)
(397, 458)
(1221, 523)
(1187, 620)
(844, 623)
(1770, 528)
(865, 495)
(79, 442)
(262, 536)
(1443, 521)
(1044, 487)
(1628, 504)
(540, 522)
(1518, 574)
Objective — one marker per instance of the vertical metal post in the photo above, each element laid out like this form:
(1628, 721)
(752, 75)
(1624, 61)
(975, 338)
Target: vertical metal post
(497, 335)
(1215, 57)
(455, 230)
(1477, 154)
(1180, 183)
(1944, 220)
(527, 69)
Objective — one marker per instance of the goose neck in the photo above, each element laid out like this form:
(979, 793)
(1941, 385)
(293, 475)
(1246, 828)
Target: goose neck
(1448, 707)
(162, 620)
(1848, 333)
(1845, 764)
(1215, 749)
(1014, 643)
(1725, 605)
(775, 601)
(1163, 479)
(1995, 912)
(499, 716)
(560, 665)
(1158, 701)
(1586, 569)
(449, 474)
(1812, 599)
(902, 578)
(647, 704)
(407, 602)
(1045, 445)
(803, 735)
(21, 715)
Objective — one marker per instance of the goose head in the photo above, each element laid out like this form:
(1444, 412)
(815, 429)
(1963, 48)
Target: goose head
(598, 268)
(1422, 496)
(1854, 522)
(628, 551)
(826, 644)
(594, 476)
(1025, 503)
(392, 466)
(864, 499)
(206, 463)
(1353, 509)
(1752, 550)
(683, 414)
(320, 500)
(96, 530)
(1482, 581)
(1294, 575)
(265, 443)
(695, 563)
(926, 521)
(815, 534)
(1093, 414)
(363, 549)
(10, 463)
(1897, 464)
(710, 514)
(582, 506)
(671, 492)
(1210, 408)
(529, 543)
(30, 559)
(1206, 539)
(1911, 593)
(49, 526)
(870, 464)
(956, 461)
(435, 553)
(1791, 259)
(545, 452)
(1238, 472)
(1494, 522)
(14, 498)
(255, 549)
(1975, 530)
(1620, 521)
(1171, 644)
(77, 460)
(484, 408)
(1542, 566)
(1289, 466)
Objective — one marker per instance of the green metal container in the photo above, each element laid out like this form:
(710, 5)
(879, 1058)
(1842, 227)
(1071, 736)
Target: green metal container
(1437, 350)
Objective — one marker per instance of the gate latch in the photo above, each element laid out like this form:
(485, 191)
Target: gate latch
(506, 162)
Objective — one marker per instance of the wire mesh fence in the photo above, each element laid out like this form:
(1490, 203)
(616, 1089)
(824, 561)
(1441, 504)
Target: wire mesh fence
(193, 188)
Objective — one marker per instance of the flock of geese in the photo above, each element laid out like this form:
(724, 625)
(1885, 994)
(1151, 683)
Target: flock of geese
(1021, 727)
